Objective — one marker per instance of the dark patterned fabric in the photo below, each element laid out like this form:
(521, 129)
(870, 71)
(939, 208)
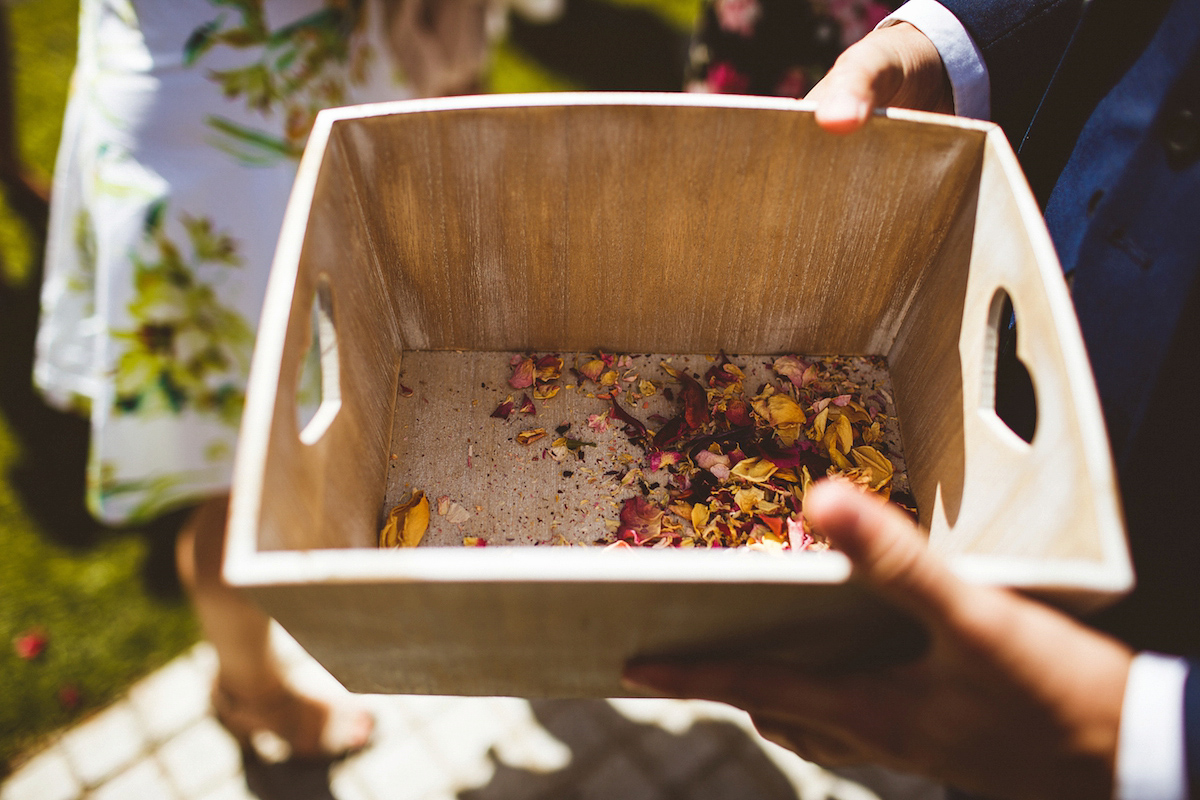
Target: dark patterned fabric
(776, 47)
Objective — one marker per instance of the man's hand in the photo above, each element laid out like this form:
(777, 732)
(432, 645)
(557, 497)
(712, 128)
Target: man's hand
(1013, 699)
(893, 66)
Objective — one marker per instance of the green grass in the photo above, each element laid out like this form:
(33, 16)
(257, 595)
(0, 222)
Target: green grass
(105, 629)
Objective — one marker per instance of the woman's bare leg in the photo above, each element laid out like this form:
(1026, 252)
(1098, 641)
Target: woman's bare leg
(251, 694)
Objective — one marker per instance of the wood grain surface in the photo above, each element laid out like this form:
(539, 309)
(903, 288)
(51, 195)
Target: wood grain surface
(669, 224)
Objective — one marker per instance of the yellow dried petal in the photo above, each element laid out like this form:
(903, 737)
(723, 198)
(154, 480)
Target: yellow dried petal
(546, 392)
(875, 464)
(839, 460)
(747, 499)
(784, 410)
(406, 523)
(819, 423)
(754, 470)
(845, 434)
(699, 516)
(525, 437)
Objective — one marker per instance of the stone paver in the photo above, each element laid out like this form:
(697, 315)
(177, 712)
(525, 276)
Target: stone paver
(144, 780)
(105, 744)
(200, 758)
(171, 699)
(619, 777)
(46, 776)
(402, 769)
(161, 743)
(235, 789)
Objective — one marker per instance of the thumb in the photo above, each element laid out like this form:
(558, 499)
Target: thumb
(887, 550)
(865, 77)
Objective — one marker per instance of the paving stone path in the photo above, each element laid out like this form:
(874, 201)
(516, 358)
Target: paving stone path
(160, 741)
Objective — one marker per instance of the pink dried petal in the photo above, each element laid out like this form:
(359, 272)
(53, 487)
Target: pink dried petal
(791, 368)
(705, 459)
(798, 535)
(660, 459)
(527, 406)
(720, 471)
(522, 375)
(841, 400)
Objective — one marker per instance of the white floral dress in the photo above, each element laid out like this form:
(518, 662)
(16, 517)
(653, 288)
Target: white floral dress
(181, 138)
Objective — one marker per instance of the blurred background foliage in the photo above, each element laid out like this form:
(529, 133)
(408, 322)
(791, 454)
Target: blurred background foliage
(107, 602)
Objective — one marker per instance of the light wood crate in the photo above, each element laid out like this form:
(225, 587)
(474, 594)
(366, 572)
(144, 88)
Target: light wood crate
(653, 223)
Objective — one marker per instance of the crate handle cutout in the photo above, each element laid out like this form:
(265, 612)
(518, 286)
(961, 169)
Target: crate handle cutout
(1007, 385)
(326, 362)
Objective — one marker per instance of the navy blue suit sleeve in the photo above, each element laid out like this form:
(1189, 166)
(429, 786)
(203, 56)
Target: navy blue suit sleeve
(1191, 727)
(1022, 43)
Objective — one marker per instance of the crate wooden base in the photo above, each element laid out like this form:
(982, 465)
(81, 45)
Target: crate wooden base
(445, 443)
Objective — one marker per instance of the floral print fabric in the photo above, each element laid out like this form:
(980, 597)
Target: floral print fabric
(180, 143)
(776, 47)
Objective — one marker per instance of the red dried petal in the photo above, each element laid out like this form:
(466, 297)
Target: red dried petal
(737, 412)
(527, 406)
(634, 428)
(669, 434)
(504, 409)
(695, 402)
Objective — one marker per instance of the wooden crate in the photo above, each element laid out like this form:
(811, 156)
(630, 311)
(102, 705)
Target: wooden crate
(652, 223)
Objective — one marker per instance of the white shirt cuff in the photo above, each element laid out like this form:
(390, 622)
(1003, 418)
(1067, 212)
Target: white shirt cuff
(961, 57)
(1151, 760)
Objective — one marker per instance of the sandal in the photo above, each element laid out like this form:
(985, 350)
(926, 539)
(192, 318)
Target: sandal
(290, 726)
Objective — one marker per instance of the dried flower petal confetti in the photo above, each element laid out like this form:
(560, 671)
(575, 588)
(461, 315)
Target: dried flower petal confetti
(678, 450)
(527, 437)
(406, 523)
(522, 374)
(504, 410)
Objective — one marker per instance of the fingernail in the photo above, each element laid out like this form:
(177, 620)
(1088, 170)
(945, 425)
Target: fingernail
(844, 108)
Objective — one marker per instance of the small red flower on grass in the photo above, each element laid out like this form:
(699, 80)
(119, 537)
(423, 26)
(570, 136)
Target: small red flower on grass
(30, 644)
(69, 696)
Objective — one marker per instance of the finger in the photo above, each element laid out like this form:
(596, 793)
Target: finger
(865, 77)
(887, 550)
(812, 745)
